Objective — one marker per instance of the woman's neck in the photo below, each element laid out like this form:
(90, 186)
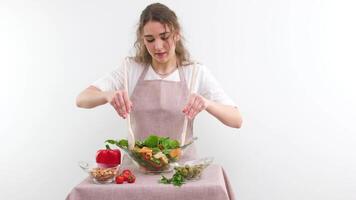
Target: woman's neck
(165, 68)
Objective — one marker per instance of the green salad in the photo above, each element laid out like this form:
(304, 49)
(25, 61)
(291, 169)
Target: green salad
(153, 153)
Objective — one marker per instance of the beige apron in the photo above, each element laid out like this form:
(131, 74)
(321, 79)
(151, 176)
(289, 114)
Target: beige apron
(158, 109)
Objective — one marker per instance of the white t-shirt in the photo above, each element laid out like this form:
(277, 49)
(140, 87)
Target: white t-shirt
(205, 85)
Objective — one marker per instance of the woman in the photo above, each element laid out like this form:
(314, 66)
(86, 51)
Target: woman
(158, 97)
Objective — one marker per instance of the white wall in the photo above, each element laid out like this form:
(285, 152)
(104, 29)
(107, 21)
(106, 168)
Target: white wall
(288, 64)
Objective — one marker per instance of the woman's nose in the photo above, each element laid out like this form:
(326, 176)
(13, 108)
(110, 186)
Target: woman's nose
(158, 44)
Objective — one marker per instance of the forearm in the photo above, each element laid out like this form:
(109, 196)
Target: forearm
(91, 97)
(228, 115)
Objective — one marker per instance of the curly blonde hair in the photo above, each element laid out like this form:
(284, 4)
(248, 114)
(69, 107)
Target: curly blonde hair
(159, 13)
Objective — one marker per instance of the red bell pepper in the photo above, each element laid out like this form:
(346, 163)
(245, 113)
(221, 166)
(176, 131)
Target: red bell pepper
(106, 158)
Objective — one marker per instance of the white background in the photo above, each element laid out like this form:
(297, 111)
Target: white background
(288, 64)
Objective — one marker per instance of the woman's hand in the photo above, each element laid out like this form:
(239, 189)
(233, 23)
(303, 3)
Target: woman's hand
(120, 101)
(195, 105)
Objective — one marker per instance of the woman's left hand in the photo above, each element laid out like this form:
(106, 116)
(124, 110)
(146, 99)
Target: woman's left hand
(195, 105)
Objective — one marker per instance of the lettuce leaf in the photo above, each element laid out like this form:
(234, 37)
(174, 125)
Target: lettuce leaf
(151, 141)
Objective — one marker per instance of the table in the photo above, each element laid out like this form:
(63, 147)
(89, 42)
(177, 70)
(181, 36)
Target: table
(213, 185)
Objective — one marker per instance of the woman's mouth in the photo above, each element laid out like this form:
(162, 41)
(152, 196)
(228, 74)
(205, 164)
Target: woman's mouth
(161, 55)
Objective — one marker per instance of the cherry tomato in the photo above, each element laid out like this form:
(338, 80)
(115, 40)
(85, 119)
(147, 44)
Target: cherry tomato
(119, 180)
(126, 176)
(126, 171)
(131, 179)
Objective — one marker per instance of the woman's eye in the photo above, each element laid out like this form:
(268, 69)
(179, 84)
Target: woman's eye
(150, 40)
(165, 37)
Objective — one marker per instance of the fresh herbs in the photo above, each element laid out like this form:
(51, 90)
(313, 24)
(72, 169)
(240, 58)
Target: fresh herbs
(183, 173)
(177, 179)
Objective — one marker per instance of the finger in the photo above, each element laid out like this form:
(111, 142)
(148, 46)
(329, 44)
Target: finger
(117, 102)
(193, 114)
(197, 110)
(202, 106)
(116, 107)
(189, 111)
(121, 102)
(193, 107)
(196, 103)
(189, 104)
(127, 101)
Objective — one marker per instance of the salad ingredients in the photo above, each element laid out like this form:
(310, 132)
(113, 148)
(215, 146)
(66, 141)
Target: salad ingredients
(183, 173)
(190, 172)
(126, 171)
(103, 174)
(153, 153)
(175, 153)
(107, 158)
(177, 179)
(119, 179)
(131, 178)
(126, 175)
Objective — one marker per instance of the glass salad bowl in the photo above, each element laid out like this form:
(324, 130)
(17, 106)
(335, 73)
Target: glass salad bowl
(192, 170)
(98, 174)
(154, 154)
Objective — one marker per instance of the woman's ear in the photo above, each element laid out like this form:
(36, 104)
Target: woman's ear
(176, 37)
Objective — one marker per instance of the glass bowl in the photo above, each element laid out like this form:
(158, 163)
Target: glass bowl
(156, 166)
(192, 170)
(149, 166)
(98, 174)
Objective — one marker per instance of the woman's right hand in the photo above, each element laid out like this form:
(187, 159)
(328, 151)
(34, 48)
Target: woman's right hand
(120, 101)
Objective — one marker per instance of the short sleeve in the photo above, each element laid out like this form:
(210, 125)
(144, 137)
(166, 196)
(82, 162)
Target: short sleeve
(208, 87)
(111, 81)
(115, 79)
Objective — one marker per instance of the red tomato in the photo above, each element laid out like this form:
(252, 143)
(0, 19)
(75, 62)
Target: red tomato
(131, 179)
(108, 157)
(126, 171)
(126, 176)
(119, 180)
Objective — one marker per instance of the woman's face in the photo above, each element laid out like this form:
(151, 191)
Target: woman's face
(160, 41)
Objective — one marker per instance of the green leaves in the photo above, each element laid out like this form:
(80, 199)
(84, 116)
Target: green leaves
(166, 151)
(151, 141)
(168, 143)
(156, 150)
(110, 141)
(139, 144)
(165, 180)
(174, 144)
(177, 179)
(121, 143)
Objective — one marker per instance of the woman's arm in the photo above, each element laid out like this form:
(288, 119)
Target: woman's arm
(213, 95)
(228, 115)
(91, 97)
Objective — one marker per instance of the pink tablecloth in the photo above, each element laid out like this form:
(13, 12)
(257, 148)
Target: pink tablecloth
(213, 185)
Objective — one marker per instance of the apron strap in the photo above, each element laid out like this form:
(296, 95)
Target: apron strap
(143, 74)
(181, 75)
(191, 88)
